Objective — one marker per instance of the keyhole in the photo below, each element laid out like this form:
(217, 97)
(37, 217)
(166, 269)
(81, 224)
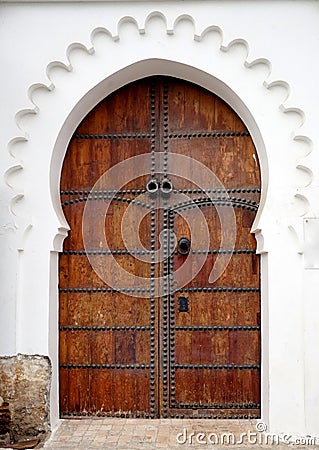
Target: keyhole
(184, 246)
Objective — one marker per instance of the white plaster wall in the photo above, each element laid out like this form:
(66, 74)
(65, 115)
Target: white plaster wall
(284, 37)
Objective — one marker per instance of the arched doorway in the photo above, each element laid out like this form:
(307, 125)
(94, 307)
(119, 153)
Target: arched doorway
(184, 346)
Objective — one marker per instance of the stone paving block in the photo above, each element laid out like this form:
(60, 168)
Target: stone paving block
(140, 434)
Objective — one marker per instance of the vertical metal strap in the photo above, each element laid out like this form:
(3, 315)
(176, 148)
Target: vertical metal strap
(153, 128)
(165, 322)
(172, 309)
(165, 128)
(153, 381)
(166, 285)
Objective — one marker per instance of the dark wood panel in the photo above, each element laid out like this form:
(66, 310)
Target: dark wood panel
(192, 108)
(94, 157)
(219, 309)
(217, 347)
(125, 111)
(130, 234)
(232, 160)
(80, 273)
(241, 269)
(212, 223)
(234, 386)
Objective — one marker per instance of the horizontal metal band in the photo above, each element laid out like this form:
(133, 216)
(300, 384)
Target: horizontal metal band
(218, 289)
(199, 134)
(190, 203)
(119, 414)
(107, 192)
(216, 416)
(239, 251)
(107, 252)
(105, 366)
(218, 328)
(219, 405)
(104, 328)
(205, 134)
(217, 366)
(97, 290)
(113, 136)
(96, 197)
(106, 197)
(220, 201)
(183, 191)
(219, 191)
(150, 252)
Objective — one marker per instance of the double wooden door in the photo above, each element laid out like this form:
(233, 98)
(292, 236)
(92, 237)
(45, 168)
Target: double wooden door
(146, 330)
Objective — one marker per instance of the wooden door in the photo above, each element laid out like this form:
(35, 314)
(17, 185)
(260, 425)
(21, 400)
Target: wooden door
(180, 344)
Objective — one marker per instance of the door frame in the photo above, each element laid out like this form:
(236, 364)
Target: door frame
(212, 84)
(160, 405)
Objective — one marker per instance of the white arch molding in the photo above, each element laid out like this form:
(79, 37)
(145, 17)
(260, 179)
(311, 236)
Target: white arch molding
(92, 72)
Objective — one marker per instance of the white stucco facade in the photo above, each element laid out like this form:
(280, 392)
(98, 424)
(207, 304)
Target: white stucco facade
(59, 59)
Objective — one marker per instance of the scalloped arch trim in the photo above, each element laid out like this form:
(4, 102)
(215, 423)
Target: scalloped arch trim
(171, 46)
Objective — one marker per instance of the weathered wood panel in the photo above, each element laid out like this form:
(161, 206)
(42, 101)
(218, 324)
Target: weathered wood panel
(124, 353)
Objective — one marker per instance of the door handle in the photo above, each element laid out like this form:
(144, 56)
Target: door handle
(166, 187)
(152, 187)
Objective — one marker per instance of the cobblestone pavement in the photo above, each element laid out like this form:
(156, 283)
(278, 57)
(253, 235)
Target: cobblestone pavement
(164, 434)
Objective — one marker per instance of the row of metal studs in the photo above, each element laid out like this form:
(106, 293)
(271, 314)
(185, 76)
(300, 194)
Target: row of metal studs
(172, 314)
(153, 380)
(94, 290)
(165, 297)
(104, 366)
(166, 286)
(216, 416)
(103, 192)
(184, 191)
(219, 405)
(202, 204)
(113, 136)
(106, 197)
(104, 328)
(198, 134)
(220, 201)
(218, 328)
(218, 366)
(128, 290)
(153, 129)
(165, 319)
(189, 204)
(106, 252)
(142, 415)
(218, 289)
(209, 134)
(149, 252)
(219, 191)
(243, 251)
(152, 314)
(165, 129)
(117, 414)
